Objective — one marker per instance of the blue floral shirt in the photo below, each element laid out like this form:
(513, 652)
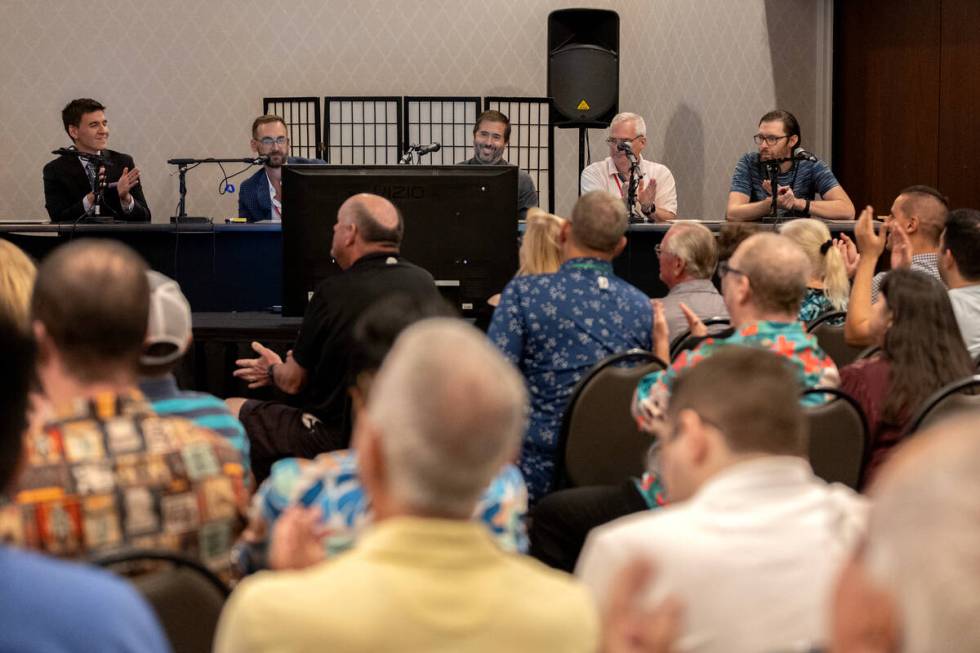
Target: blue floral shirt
(555, 327)
(815, 303)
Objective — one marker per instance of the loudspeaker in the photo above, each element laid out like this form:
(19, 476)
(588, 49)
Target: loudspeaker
(583, 67)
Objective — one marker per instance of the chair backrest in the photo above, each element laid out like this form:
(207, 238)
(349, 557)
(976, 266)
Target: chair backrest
(718, 327)
(186, 596)
(955, 397)
(839, 437)
(599, 442)
(830, 336)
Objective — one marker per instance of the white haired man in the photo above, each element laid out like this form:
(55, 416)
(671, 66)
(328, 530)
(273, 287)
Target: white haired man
(656, 195)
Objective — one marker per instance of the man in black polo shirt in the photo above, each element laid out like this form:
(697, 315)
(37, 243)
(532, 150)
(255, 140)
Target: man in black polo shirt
(366, 240)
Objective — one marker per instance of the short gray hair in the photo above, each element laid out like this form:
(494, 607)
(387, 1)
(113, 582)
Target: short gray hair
(635, 118)
(777, 269)
(924, 537)
(694, 244)
(599, 221)
(451, 411)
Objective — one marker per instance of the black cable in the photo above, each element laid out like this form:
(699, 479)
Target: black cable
(223, 184)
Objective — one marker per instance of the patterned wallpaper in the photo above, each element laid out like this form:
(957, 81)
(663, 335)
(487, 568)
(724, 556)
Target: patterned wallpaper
(184, 78)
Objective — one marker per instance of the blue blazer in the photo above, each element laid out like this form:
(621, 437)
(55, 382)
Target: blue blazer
(254, 202)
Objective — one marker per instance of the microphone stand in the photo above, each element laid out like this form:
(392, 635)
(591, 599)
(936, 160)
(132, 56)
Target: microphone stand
(183, 165)
(634, 182)
(772, 172)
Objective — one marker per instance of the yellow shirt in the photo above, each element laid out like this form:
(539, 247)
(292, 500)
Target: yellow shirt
(413, 584)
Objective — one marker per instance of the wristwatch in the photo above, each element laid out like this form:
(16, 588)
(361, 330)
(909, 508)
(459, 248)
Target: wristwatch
(651, 211)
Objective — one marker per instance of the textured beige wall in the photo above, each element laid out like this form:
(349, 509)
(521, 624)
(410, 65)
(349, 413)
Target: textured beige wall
(184, 78)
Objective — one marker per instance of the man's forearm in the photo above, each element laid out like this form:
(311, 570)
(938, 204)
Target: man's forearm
(749, 211)
(857, 327)
(832, 209)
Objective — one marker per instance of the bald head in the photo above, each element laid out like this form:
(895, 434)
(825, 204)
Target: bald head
(924, 537)
(377, 220)
(777, 270)
(928, 206)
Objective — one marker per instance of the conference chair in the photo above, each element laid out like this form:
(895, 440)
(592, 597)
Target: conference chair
(186, 596)
(599, 442)
(955, 397)
(839, 438)
(828, 329)
(685, 341)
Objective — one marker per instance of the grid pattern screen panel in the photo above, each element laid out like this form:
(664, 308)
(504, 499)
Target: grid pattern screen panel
(531, 137)
(362, 130)
(445, 120)
(302, 115)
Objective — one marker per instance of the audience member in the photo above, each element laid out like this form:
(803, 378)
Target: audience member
(540, 251)
(260, 196)
(168, 335)
(423, 577)
(555, 327)
(731, 235)
(688, 255)
(828, 286)
(656, 192)
(71, 181)
(753, 540)
(107, 472)
(366, 241)
(17, 272)
(491, 135)
(48, 604)
(921, 351)
(912, 587)
(959, 267)
(330, 480)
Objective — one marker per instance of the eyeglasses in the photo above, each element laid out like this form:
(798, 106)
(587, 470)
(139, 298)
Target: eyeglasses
(770, 140)
(268, 141)
(724, 268)
(616, 142)
(659, 249)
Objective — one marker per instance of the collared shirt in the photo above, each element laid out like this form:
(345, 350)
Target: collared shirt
(412, 585)
(331, 482)
(108, 473)
(752, 556)
(966, 308)
(699, 295)
(806, 178)
(555, 327)
(275, 203)
(927, 263)
(603, 175)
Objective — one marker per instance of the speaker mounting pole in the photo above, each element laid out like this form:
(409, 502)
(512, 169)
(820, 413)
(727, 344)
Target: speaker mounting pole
(583, 134)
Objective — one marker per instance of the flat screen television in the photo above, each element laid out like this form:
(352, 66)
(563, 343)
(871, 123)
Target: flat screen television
(460, 224)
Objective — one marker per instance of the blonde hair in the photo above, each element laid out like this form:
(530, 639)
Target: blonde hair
(812, 236)
(17, 273)
(540, 250)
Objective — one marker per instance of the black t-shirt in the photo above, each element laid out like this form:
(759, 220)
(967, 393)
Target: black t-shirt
(324, 340)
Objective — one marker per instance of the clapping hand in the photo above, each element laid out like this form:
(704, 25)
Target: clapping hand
(127, 181)
(870, 243)
(849, 252)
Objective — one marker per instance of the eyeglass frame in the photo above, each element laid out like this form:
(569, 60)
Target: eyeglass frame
(725, 269)
(269, 141)
(615, 142)
(769, 139)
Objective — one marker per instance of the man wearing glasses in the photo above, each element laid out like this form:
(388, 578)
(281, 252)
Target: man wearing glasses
(656, 193)
(491, 134)
(260, 196)
(800, 180)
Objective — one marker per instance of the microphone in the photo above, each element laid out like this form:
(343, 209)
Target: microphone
(802, 155)
(426, 149)
(625, 146)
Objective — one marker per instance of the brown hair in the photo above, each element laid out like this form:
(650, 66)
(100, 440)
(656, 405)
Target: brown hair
(931, 208)
(265, 120)
(71, 115)
(492, 115)
(93, 298)
(764, 416)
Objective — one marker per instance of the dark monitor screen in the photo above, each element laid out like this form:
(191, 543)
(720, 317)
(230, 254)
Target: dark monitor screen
(460, 225)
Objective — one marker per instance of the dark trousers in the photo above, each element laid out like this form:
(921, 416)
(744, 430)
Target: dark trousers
(561, 521)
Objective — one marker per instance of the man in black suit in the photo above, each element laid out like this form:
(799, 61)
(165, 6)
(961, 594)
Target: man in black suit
(70, 179)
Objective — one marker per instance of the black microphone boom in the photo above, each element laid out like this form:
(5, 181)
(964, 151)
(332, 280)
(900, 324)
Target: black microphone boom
(431, 147)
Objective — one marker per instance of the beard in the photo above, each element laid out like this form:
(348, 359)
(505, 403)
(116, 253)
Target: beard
(275, 160)
(488, 154)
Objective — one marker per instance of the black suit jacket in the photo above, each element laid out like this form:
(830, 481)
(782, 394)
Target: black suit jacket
(66, 184)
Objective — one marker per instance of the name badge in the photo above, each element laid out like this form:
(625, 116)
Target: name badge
(603, 283)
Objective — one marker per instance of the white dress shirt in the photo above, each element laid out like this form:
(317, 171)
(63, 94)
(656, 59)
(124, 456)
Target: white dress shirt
(602, 175)
(753, 555)
(966, 307)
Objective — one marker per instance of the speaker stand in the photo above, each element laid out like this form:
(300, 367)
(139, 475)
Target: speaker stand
(583, 134)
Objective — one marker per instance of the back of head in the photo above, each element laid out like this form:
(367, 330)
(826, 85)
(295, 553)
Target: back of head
(541, 247)
(924, 537)
(17, 273)
(599, 221)
(826, 262)
(732, 234)
(92, 297)
(15, 383)
(378, 221)
(931, 208)
(696, 246)
(451, 411)
(777, 269)
(962, 238)
(169, 329)
(72, 114)
(923, 343)
(764, 416)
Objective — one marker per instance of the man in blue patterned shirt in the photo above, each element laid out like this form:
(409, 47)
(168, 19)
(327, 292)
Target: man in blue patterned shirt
(555, 327)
